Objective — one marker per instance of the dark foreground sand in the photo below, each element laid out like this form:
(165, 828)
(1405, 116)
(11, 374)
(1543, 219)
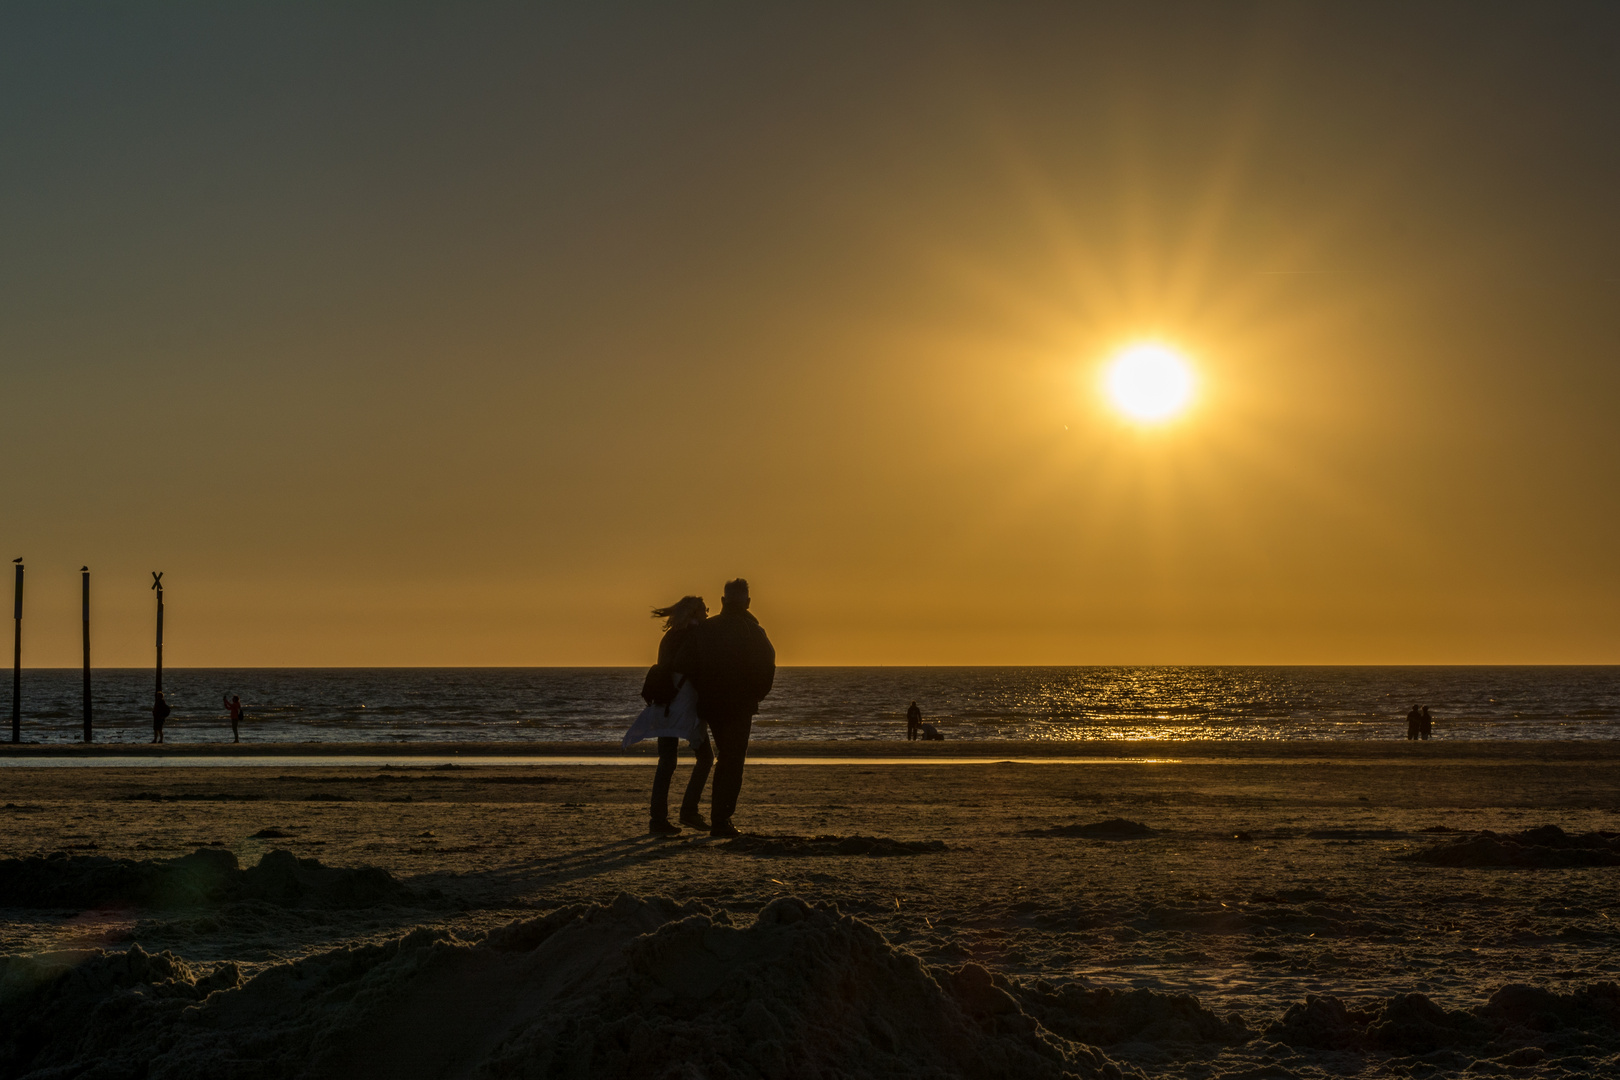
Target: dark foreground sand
(882, 919)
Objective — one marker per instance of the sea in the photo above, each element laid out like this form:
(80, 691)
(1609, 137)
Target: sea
(1045, 704)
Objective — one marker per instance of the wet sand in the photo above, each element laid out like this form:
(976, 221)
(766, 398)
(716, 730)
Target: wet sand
(1265, 872)
(196, 744)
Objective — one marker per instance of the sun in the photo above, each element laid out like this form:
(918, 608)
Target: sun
(1149, 382)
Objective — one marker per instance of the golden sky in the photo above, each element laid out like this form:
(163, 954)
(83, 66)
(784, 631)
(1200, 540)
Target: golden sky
(466, 334)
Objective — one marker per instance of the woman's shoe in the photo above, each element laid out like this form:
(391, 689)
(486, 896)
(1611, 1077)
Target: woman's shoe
(662, 827)
(694, 819)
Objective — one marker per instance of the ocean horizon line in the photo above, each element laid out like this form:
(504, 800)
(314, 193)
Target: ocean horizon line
(815, 667)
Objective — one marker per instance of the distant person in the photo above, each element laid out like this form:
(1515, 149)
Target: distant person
(233, 705)
(671, 715)
(160, 713)
(930, 733)
(913, 721)
(1425, 724)
(1414, 722)
(733, 664)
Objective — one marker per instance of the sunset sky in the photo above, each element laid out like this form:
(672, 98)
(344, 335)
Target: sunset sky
(466, 333)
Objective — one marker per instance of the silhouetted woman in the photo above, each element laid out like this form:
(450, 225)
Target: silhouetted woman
(670, 716)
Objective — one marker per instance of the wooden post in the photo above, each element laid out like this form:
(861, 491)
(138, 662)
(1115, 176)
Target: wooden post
(16, 662)
(85, 571)
(157, 583)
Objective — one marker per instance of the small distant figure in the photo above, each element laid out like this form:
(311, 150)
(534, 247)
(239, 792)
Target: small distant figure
(930, 733)
(1414, 722)
(913, 722)
(160, 713)
(233, 704)
(1425, 724)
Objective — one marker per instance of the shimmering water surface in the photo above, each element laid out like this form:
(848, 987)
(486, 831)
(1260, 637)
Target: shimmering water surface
(516, 704)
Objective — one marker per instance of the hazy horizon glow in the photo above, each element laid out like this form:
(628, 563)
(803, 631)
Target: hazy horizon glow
(466, 336)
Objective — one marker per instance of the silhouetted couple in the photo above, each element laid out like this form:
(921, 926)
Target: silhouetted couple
(1419, 724)
(710, 677)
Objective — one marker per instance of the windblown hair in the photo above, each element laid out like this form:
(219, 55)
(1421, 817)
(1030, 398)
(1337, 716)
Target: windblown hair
(680, 612)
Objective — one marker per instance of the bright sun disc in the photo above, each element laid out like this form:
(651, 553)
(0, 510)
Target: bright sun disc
(1149, 382)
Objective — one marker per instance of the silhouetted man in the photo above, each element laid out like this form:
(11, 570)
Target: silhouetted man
(913, 722)
(732, 664)
(1425, 724)
(1414, 720)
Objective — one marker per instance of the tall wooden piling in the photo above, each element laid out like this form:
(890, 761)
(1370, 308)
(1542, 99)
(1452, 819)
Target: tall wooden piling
(157, 584)
(16, 662)
(85, 572)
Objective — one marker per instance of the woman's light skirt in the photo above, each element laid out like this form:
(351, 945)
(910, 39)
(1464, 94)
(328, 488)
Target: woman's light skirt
(679, 718)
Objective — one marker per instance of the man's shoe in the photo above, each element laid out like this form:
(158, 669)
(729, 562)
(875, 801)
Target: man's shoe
(725, 830)
(662, 827)
(694, 819)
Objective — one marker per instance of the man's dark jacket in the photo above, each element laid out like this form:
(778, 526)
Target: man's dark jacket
(730, 661)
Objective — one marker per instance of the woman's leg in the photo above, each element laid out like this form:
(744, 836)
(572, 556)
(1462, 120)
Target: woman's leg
(704, 753)
(661, 778)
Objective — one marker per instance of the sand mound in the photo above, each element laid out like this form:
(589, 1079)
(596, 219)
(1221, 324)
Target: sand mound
(635, 988)
(208, 876)
(1547, 847)
(62, 1008)
(1103, 1017)
(880, 846)
(801, 992)
(1112, 829)
(1588, 1019)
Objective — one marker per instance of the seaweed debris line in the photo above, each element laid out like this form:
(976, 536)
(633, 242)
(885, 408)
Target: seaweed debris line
(206, 877)
(1547, 847)
(801, 846)
(1112, 829)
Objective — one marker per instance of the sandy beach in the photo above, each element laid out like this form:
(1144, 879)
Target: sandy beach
(1177, 909)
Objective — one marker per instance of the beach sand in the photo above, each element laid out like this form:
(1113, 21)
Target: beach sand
(1168, 909)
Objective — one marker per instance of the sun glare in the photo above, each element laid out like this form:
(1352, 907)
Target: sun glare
(1149, 382)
